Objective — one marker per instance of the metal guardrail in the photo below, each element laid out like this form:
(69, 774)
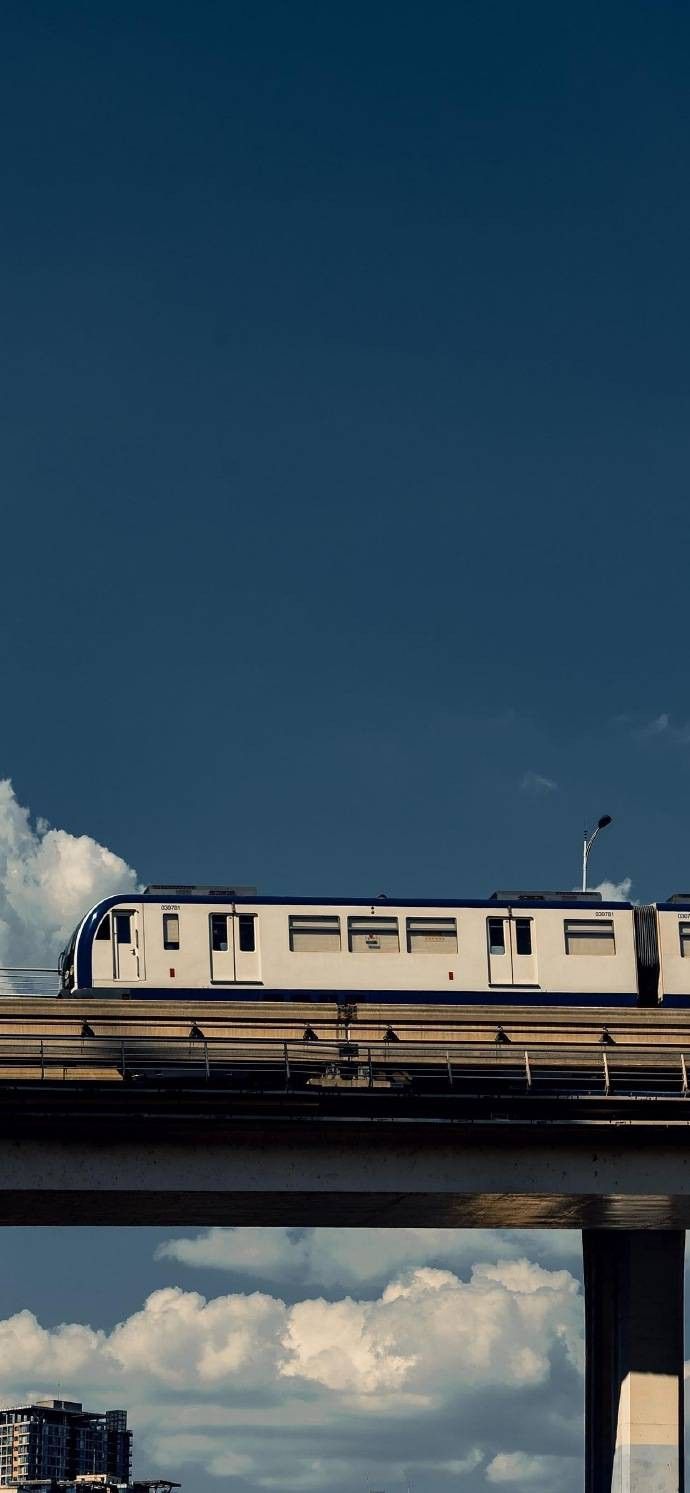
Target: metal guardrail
(24, 979)
(461, 1068)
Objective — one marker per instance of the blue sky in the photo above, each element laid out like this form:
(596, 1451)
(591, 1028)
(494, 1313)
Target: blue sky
(345, 391)
(345, 438)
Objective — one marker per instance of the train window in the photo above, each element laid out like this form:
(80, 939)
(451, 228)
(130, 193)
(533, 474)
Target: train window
(171, 930)
(373, 935)
(432, 936)
(523, 935)
(314, 934)
(684, 936)
(585, 937)
(103, 934)
(246, 933)
(219, 932)
(123, 923)
(497, 940)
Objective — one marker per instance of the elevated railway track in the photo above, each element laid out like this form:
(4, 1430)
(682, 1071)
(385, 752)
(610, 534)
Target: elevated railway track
(129, 1112)
(135, 1112)
(479, 1067)
(31, 1012)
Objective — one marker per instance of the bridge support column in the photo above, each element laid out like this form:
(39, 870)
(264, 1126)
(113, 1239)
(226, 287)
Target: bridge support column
(634, 1382)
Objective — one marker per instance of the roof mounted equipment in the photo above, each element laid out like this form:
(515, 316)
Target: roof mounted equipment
(201, 891)
(508, 898)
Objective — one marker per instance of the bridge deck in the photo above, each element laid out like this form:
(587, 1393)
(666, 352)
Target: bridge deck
(438, 1053)
(136, 1112)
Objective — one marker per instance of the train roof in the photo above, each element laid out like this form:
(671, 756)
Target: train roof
(566, 899)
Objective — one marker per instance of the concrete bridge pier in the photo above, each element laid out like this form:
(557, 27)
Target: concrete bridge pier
(634, 1376)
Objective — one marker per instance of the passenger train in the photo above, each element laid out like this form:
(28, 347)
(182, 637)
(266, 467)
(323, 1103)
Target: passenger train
(522, 948)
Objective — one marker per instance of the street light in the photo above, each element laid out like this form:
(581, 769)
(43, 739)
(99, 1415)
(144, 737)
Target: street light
(588, 843)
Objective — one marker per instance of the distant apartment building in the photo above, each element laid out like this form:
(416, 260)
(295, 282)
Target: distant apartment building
(57, 1440)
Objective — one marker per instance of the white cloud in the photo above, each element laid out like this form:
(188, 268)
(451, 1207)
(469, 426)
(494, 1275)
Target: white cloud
(70, 1351)
(537, 784)
(263, 1252)
(180, 1338)
(614, 891)
(354, 1257)
(511, 1468)
(228, 1382)
(48, 879)
(664, 725)
(458, 1466)
(658, 726)
(429, 1329)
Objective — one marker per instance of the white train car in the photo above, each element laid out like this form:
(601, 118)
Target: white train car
(230, 944)
(673, 935)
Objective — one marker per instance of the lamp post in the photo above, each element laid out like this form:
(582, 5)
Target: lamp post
(588, 843)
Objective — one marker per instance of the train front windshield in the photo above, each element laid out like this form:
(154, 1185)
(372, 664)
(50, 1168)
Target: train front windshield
(66, 963)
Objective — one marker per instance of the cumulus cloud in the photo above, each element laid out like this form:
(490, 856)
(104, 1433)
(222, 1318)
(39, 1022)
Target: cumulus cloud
(48, 879)
(517, 1468)
(426, 1327)
(346, 1258)
(70, 1351)
(460, 1465)
(537, 784)
(430, 1328)
(615, 891)
(249, 1387)
(181, 1339)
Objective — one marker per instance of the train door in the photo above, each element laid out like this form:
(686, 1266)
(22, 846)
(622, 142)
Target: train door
(522, 949)
(512, 959)
(498, 945)
(246, 947)
(128, 949)
(222, 939)
(234, 947)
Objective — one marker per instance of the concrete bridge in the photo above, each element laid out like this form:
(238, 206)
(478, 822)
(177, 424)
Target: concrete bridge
(129, 1114)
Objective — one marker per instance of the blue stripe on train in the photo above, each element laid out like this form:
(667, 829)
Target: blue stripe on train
(231, 994)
